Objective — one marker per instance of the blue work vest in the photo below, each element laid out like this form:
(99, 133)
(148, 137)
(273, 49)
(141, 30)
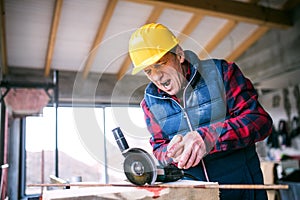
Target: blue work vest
(203, 100)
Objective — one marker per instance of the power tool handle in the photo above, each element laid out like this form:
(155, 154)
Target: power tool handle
(120, 139)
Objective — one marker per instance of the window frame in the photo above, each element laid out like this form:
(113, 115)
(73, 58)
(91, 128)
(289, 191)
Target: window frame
(22, 167)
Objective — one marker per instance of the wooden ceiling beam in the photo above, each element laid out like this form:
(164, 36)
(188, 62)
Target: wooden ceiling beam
(100, 34)
(213, 43)
(258, 33)
(233, 10)
(124, 67)
(156, 12)
(190, 27)
(52, 37)
(3, 39)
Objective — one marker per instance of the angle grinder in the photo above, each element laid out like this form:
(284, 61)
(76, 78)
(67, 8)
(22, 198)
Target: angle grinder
(140, 168)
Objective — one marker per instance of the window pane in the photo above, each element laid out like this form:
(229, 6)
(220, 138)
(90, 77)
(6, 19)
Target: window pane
(87, 148)
(75, 158)
(40, 139)
(131, 122)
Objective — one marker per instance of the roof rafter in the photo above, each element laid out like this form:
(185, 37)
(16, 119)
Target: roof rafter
(100, 33)
(191, 25)
(156, 12)
(124, 67)
(233, 10)
(52, 37)
(258, 33)
(213, 43)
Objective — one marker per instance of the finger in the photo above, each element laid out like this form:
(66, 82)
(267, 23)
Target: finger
(197, 160)
(176, 159)
(177, 155)
(200, 153)
(199, 156)
(184, 157)
(176, 150)
(193, 156)
(174, 146)
(174, 141)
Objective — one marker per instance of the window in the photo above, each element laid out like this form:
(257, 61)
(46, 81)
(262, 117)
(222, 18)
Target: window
(86, 147)
(40, 142)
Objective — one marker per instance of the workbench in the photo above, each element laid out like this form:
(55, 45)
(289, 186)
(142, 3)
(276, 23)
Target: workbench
(177, 190)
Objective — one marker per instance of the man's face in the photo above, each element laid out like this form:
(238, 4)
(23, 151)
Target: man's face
(167, 74)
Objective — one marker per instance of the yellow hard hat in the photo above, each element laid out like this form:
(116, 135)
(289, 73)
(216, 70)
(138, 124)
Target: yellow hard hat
(150, 43)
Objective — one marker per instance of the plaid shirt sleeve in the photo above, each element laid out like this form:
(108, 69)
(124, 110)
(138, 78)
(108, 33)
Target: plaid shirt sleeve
(158, 142)
(247, 123)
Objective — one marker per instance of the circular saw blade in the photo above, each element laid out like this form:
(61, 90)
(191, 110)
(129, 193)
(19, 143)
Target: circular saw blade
(139, 167)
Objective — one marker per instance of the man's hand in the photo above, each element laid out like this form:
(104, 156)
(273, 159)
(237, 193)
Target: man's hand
(175, 148)
(187, 150)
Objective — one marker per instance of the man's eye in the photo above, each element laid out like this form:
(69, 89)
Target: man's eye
(160, 64)
(163, 63)
(148, 72)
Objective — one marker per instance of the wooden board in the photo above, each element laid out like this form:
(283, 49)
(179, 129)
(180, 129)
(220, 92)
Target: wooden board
(141, 193)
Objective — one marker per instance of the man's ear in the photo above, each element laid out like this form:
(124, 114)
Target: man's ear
(180, 54)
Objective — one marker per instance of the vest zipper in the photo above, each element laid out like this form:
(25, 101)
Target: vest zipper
(187, 119)
(189, 124)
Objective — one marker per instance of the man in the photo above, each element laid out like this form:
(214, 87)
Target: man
(203, 116)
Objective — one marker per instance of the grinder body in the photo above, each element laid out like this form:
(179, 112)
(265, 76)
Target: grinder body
(140, 168)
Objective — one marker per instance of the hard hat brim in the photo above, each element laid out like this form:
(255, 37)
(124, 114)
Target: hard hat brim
(148, 62)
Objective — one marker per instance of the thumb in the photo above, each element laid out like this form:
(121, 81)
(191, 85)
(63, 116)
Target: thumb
(175, 140)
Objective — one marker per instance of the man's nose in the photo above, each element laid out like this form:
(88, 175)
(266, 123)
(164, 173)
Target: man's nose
(156, 74)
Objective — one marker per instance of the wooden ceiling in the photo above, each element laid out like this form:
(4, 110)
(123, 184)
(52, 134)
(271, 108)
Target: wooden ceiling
(92, 35)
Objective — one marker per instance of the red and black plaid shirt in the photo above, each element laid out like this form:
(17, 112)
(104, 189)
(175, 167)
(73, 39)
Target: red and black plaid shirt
(246, 124)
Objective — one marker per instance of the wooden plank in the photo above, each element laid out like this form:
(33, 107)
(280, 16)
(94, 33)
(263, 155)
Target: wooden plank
(124, 67)
(135, 192)
(156, 12)
(259, 32)
(226, 29)
(233, 10)
(3, 39)
(100, 33)
(180, 189)
(204, 186)
(52, 37)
